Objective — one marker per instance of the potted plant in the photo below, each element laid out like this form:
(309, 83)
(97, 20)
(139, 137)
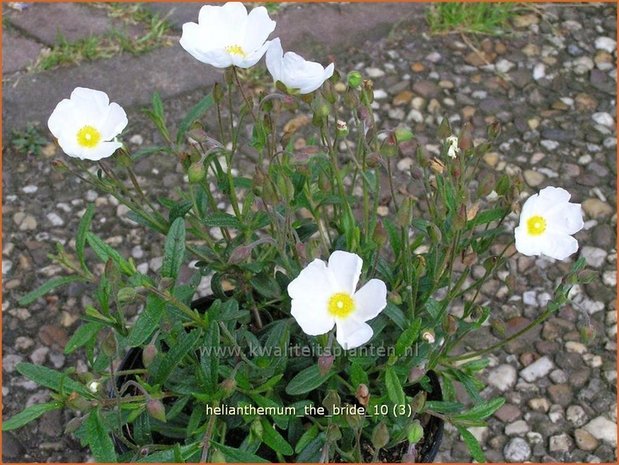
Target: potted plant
(330, 333)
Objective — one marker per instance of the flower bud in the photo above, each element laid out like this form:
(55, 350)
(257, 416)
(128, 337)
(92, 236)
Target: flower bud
(59, 166)
(437, 166)
(354, 79)
(94, 386)
(325, 362)
(126, 295)
(435, 234)
(380, 435)
(300, 247)
(218, 457)
(415, 432)
(373, 160)
(363, 395)
(257, 429)
(196, 172)
(109, 345)
(228, 385)
(395, 298)
(354, 419)
(77, 402)
(450, 325)
(341, 128)
(416, 374)
(380, 235)
(239, 255)
(155, 409)
(428, 336)
(148, 354)
(333, 433)
(367, 93)
(331, 401)
(73, 425)
(218, 93)
(587, 334)
(418, 402)
(403, 135)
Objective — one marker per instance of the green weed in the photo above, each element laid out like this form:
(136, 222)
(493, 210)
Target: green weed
(475, 18)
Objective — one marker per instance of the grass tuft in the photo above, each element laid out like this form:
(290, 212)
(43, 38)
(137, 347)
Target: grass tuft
(472, 18)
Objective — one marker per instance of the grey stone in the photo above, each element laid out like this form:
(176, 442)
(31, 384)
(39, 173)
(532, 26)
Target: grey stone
(502, 377)
(594, 256)
(603, 429)
(17, 52)
(517, 450)
(537, 369)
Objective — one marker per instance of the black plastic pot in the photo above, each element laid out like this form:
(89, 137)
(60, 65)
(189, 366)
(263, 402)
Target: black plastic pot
(433, 426)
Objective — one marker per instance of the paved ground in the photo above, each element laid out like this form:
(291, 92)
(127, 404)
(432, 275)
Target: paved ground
(551, 83)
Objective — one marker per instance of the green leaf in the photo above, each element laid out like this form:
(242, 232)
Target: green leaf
(147, 321)
(306, 380)
(407, 338)
(307, 437)
(222, 220)
(358, 375)
(481, 411)
(396, 315)
(237, 455)
(439, 406)
(272, 438)
(45, 288)
(82, 335)
(98, 440)
(434, 308)
(472, 444)
(394, 388)
(174, 249)
(208, 357)
(52, 379)
(179, 210)
(162, 368)
(82, 229)
(27, 415)
(169, 455)
(194, 113)
(105, 253)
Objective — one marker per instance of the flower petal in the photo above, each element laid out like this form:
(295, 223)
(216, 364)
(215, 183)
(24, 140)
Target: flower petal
(251, 59)
(352, 333)
(113, 123)
(312, 316)
(346, 269)
(370, 300)
(566, 218)
(259, 27)
(274, 57)
(560, 246)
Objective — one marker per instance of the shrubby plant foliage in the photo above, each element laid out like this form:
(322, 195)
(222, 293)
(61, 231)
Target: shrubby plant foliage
(326, 322)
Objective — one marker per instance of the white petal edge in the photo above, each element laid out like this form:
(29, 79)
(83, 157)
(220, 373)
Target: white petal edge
(370, 300)
(346, 269)
(351, 333)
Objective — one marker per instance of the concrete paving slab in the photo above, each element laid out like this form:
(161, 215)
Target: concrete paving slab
(17, 52)
(44, 21)
(313, 30)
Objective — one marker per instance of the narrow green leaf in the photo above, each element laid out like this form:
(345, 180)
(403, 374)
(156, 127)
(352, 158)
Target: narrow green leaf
(407, 338)
(52, 379)
(307, 437)
(82, 229)
(222, 220)
(98, 440)
(306, 381)
(162, 368)
(394, 388)
(481, 411)
(174, 249)
(82, 335)
(237, 455)
(147, 321)
(272, 438)
(27, 415)
(443, 406)
(45, 288)
(472, 444)
(105, 253)
(192, 115)
(168, 455)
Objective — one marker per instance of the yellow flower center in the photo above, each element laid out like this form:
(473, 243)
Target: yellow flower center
(235, 50)
(88, 137)
(536, 225)
(341, 305)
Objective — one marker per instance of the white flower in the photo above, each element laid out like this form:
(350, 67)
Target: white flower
(226, 35)
(93, 386)
(547, 222)
(453, 149)
(86, 124)
(295, 72)
(324, 295)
